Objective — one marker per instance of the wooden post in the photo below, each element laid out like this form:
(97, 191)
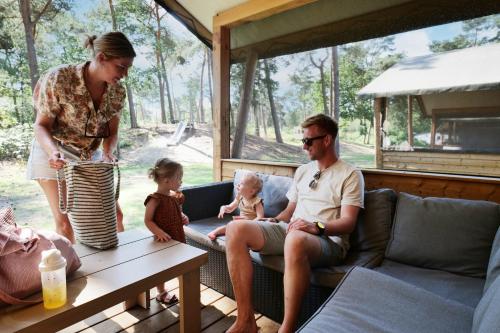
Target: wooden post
(410, 120)
(378, 105)
(221, 67)
(433, 130)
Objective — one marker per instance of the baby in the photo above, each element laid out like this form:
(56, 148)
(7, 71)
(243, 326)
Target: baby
(250, 205)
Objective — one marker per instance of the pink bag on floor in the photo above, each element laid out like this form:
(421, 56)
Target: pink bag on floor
(20, 254)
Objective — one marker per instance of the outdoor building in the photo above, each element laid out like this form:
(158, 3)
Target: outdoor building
(457, 94)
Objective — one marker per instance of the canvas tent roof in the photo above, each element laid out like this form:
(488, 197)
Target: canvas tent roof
(311, 24)
(472, 69)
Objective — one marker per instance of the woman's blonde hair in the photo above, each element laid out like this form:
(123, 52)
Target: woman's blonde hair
(112, 44)
(164, 168)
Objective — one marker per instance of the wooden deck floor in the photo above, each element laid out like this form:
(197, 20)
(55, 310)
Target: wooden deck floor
(217, 314)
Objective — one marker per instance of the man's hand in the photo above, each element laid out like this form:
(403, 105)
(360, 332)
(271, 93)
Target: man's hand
(56, 160)
(303, 225)
(185, 219)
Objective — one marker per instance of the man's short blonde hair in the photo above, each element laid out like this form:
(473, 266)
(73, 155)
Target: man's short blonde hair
(324, 122)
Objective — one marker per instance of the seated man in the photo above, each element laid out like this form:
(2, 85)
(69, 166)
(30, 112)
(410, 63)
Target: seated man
(324, 202)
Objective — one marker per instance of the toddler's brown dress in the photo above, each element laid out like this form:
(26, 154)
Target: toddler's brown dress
(168, 214)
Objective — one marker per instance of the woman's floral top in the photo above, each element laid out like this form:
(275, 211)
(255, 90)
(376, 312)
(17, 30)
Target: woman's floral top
(61, 94)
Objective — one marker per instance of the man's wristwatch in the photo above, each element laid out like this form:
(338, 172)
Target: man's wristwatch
(321, 228)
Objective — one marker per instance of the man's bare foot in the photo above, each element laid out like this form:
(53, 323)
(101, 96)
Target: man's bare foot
(212, 235)
(247, 326)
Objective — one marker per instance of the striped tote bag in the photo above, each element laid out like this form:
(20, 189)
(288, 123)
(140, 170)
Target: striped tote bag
(91, 201)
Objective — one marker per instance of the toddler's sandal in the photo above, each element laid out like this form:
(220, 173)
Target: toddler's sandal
(166, 298)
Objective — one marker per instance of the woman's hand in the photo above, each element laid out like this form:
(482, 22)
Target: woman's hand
(109, 157)
(56, 160)
(185, 219)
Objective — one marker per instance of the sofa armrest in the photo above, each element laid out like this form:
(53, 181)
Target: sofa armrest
(204, 201)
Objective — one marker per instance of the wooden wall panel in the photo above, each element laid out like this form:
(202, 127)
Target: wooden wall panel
(456, 163)
(417, 183)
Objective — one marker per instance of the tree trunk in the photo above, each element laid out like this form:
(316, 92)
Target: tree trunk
(29, 33)
(246, 97)
(133, 116)
(113, 16)
(130, 97)
(202, 112)
(274, 114)
(210, 77)
(255, 106)
(263, 117)
(335, 92)
(321, 67)
(167, 88)
(158, 66)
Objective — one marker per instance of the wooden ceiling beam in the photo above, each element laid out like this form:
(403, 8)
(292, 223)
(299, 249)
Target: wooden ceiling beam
(254, 10)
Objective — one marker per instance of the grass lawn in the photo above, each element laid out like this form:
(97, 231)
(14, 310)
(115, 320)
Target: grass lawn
(32, 209)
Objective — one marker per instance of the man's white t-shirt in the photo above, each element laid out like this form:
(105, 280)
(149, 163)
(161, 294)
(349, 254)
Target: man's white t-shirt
(339, 184)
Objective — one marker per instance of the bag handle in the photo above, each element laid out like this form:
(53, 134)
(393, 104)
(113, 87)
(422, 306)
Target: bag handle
(117, 192)
(69, 192)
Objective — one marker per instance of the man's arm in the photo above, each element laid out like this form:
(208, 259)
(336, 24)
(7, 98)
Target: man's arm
(287, 213)
(343, 225)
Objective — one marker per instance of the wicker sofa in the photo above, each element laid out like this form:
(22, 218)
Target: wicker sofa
(368, 243)
(415, 265)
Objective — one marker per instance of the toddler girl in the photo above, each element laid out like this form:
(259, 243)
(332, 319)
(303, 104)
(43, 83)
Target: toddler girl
(250, 205)
(164, 216)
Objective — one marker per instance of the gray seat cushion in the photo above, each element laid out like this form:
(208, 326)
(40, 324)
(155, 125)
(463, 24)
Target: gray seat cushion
(487, 313)
(368, 301)
(273, 191)
(454, 235)
(464, 289)
(494, 263)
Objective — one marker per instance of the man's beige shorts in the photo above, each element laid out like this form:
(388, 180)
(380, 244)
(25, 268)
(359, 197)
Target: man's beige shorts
(274, 244)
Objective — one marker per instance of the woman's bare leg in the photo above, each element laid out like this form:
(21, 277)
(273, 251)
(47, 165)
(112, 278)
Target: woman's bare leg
(63, 227)
(119, 218)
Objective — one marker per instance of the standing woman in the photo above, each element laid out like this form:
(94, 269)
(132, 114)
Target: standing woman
(78, 107)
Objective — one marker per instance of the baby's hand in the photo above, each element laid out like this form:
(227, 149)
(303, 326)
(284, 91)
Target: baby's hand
(185, 219)
(162, 236)
(221, 211)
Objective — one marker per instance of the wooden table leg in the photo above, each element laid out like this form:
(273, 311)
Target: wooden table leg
(143, 300)
(189, 288)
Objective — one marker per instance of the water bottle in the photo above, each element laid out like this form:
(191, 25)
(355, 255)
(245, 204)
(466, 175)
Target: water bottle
(53, 272)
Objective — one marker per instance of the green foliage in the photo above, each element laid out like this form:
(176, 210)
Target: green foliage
(15, 142)
(475, 32)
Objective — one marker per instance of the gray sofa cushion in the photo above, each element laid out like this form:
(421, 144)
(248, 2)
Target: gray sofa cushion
(373, 228)
(487, 313)
(494, 263)
(454, 235)
(368, 301)
(463, 289)
(273, 191)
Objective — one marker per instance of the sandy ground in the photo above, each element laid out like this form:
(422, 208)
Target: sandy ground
(196, 148)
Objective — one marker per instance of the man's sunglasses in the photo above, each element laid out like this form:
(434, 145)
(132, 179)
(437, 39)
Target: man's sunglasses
(309, 141)
(314, 181)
